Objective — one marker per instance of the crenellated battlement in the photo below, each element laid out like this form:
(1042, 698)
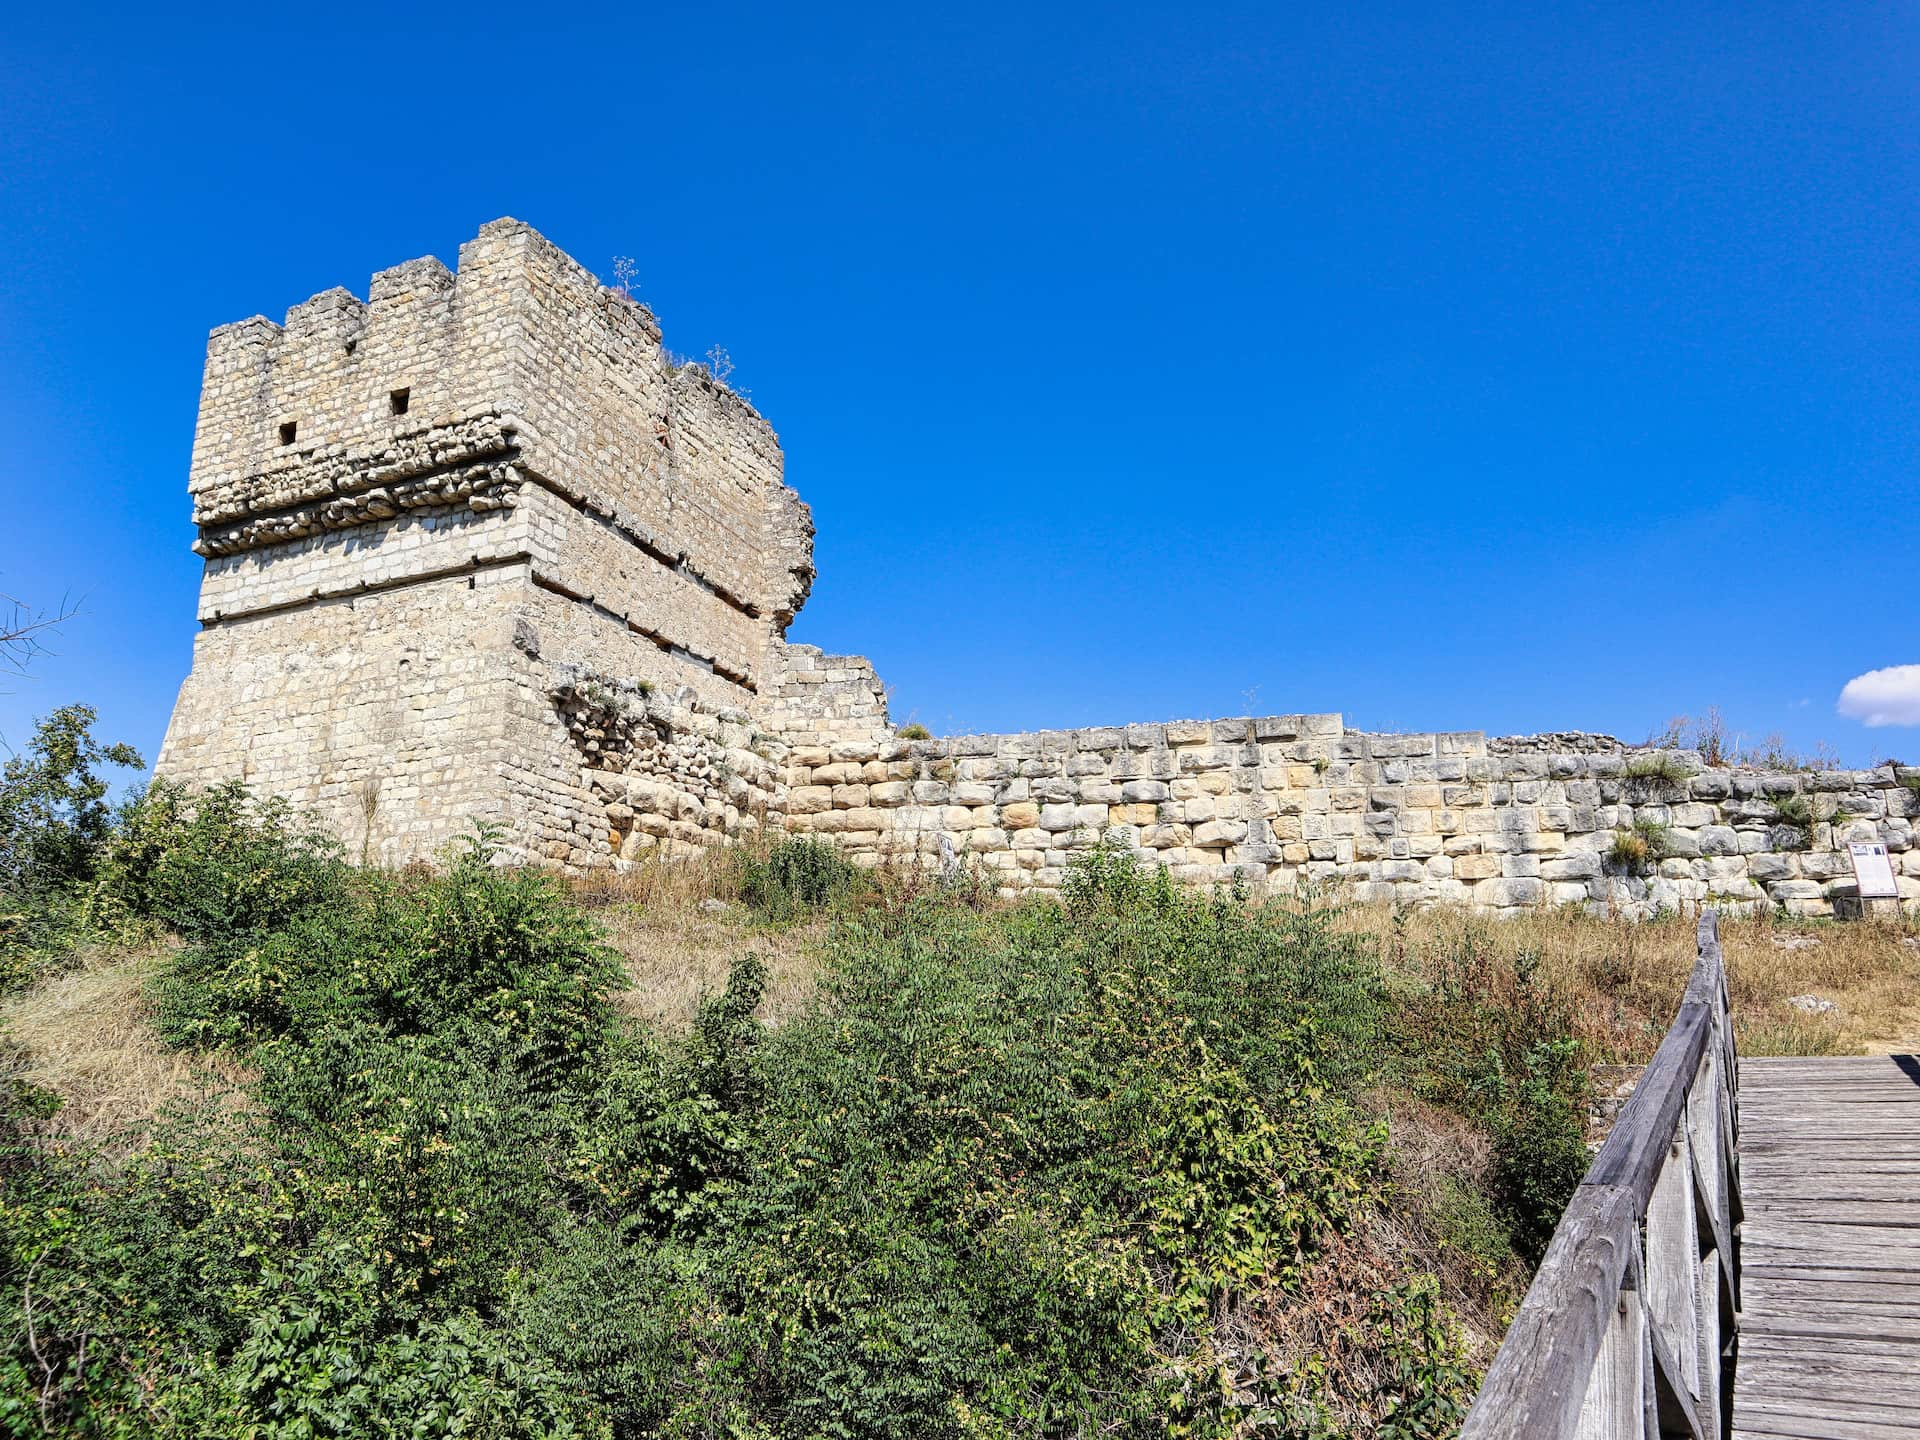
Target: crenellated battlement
(404, 488)
(518, 364)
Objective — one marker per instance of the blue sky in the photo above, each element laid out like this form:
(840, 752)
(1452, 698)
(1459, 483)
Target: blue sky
(1497, 367)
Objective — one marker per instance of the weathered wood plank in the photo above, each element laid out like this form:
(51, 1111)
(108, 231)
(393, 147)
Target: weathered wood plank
(1891, 1279)
(1813, 1210)
(1815, 1427)
(1800, 1402)
(1892, 1289)
(1882, 1381)
(1805, 1423)
(1890, 1350)
(1838, 1327)
(1766, 1232)
(1886, 1381)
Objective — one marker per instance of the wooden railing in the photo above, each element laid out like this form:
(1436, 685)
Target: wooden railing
(1628, 1329)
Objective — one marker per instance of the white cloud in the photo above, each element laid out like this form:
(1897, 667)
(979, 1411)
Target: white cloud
(1883, 697)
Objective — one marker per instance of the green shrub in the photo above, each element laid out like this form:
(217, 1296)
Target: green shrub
(54, 825)
(1793, 810)
(1464, 1220)
(1426, 1383)
(798, 876)
(623, 1320)
(503, 949)
(445, 1094)
(913, 732)
(1659, 766)
(1013, 1172)
(217, 867)
(1497, 1044)
(1540, 1151)
(1015, 1164)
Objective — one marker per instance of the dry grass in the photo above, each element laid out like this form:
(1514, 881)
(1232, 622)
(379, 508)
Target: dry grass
(1439, 1173)
(1627, 976)
(88, 1036)
(679, 926)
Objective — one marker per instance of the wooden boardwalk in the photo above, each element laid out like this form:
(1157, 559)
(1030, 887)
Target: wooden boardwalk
(1829, 1250)
(1741, 1260)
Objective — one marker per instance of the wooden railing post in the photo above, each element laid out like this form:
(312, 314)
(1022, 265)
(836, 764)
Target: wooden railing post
(1615, 1405)
(1625, 1330)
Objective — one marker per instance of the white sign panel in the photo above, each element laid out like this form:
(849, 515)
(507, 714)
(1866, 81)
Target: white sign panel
(1873, 868)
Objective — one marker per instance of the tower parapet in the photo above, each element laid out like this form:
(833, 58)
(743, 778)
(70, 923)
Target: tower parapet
(389, 491)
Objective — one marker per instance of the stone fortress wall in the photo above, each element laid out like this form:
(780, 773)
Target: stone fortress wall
(1281, 801)
(477, 548)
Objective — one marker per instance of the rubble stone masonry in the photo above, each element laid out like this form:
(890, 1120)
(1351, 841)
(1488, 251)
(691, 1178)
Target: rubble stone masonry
(478, 548)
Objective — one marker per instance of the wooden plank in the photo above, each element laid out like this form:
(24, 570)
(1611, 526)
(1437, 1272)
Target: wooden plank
(1885, 1380)
(1889, 1263)
(1823, 1402)
(1765, 1426)
(1823, 1166)
(1834, 1185)
(1672, 1260)
(1775, 1292)
(1842, 1124)
(1762, 1082)
(1885, 1388)
(1866, 1352)
(1818, 1253)
(1763, 1068)
(1675, 1408)
(1613, 1406)
(1765, 1232)
(1786, 1202)
(1763, 1129)
(1840, 1329)
(1757, 1272)
(1827, 1421)
(1833, 1210)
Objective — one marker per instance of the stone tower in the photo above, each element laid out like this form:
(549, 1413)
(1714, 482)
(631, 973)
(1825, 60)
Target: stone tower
(427, 515)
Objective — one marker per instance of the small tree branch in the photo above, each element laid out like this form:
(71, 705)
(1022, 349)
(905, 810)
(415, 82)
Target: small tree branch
(22, 629)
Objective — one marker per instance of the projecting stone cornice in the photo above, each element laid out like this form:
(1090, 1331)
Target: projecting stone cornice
(324, 474)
